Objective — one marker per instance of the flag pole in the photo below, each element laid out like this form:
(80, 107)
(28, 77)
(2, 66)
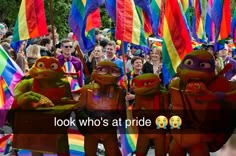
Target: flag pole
(52, 24)
(125, 74)
(86, 71)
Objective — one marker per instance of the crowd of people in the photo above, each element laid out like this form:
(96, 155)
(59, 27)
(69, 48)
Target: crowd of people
(137, 60)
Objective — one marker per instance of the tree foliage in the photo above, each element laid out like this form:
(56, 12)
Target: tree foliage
(61, 11)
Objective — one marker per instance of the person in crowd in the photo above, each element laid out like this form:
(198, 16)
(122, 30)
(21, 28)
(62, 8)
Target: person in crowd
(46, 47)
(110, 55)
(134, 51)
(66, 50)
(155, 63)
(6, 46)
(224, 55)
(3, 30)
(21, 59)
(8, 35)
(95, 57)
(137, 64)
(32, 53)
(210, 49)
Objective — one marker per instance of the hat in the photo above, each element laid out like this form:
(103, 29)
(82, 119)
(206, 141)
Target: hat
(221, 45)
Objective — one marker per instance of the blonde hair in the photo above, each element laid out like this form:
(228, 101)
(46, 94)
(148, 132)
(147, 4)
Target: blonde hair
(33, 51)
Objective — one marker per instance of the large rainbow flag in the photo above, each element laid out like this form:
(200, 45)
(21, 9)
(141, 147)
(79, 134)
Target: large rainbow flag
(197, 22)
(84, 17)
(209, 24)
(30, 22)
(176, 39)
(226, 20)
(129, 28)
(157, 13)
(10, 75)
(144, 11)
(186, 8)
(111, 9)
(221, 17)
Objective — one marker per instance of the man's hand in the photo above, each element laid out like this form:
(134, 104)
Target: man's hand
(129, 97)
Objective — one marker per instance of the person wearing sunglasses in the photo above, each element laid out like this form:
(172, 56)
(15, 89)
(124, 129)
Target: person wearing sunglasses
(65, 57)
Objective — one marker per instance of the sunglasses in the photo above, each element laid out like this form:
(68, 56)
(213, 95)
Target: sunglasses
(68, 47)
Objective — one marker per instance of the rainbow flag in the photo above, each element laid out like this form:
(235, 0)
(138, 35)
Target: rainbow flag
(128, 136)
(71, 76)
(197, 23)
(226, 20)
(76, 143)
(144, 12)
(111, 8)
(157, 12)
(30, 23)
(84, 17)
(129, 28)
(233, 27)
(209, 24)
(221, 17)
(5, 143)
(216, 14)
(176, 39)
(186, 8)
(11, 74)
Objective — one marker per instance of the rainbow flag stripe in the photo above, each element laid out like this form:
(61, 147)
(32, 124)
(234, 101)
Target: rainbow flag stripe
(31, 21)
(129, 28)
(176, 39)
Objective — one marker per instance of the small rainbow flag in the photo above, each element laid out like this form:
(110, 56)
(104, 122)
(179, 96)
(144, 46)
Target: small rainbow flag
(71, 76)
(30, 23)
(11, 74)
(128, 136)
(76, 143)
(68, 67)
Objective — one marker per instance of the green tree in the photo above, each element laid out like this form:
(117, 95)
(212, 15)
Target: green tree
(61, 11)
